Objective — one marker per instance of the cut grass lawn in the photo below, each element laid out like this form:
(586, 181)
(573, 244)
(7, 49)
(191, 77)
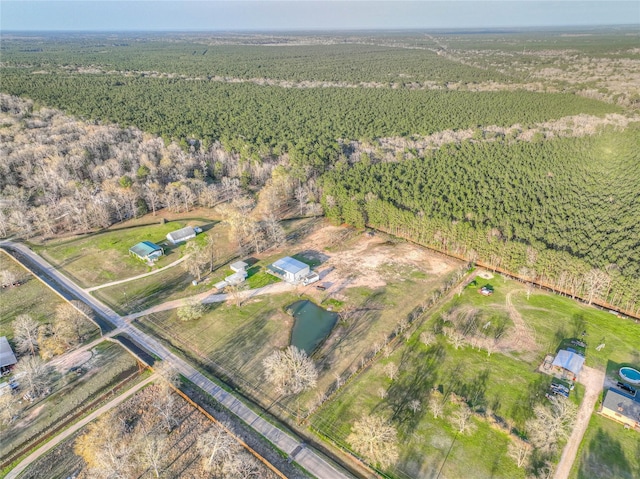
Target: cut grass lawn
(108, 365)
(607, 451)
(496, 382)
(104, 257)
(31, 297)
(506, 385)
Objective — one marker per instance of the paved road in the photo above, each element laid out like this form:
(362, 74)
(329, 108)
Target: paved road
(306, 458)
(27, 461)
(133, 278)
(593, 381)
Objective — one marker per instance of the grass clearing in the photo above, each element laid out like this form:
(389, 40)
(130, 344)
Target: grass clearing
(108, 365)
(503, 386)
(234, 341)
(31, 297)
(103, 257)
(607, 451)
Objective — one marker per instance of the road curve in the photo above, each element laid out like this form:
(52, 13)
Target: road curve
(311, 461)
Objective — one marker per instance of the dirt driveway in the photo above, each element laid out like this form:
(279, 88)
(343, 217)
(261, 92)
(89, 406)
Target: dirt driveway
(593, 381)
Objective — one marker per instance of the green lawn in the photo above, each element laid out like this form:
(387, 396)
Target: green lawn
(32, 297)
(498, 383)
(228, 340)
(506, 385)
(607, 451)
(104, 257)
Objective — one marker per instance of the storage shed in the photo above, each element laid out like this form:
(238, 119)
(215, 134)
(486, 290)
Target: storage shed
(7, 358)
(146, 251)
(182, 235)
(289, 269)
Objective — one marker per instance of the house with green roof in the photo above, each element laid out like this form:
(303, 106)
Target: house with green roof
(146, 251)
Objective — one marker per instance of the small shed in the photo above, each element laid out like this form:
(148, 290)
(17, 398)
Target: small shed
(289, 269)
(146, 251)
(238, 266)
(568, 362)
(236, 278)
(182, 235)
(7, 357)
(621, 408)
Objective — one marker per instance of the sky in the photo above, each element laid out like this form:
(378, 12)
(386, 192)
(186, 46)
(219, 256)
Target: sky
(273, 15)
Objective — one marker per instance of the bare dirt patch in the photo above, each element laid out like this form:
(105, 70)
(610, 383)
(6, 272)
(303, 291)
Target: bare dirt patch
(369, 260)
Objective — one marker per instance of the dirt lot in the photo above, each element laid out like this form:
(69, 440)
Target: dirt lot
(349, 259)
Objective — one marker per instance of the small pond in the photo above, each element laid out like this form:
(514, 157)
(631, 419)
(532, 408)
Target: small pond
(312, 325)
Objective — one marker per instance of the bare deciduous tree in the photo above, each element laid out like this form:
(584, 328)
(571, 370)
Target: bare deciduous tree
(105, 448)
(9, 408)
(427, 338)
(164, 400)
(382, 393)
(551, 423)
(151, 450)
(34, 375)
(436, 405)
(7, 278)
(217, 447)
(415, 405)
(596, 282)
(25, 334)
(195, 260)
(461, 419)
(291, 371)
(391, 370)
(192, 310)
(519, 451)
(376, 439)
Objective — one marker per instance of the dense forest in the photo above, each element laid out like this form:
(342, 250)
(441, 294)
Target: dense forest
(544, 209)
(451, 140)
(306, 123)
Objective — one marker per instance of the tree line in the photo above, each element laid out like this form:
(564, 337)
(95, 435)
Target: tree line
(560, 211)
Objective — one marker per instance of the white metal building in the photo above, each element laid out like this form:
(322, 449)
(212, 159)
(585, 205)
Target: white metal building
(289, 269)
(182, 235)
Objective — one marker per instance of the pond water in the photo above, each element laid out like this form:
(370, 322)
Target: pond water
(312, 325)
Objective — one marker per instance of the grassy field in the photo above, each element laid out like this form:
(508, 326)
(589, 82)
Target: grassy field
(104, 257)
(170, 284)
(503, 386)
(32, 297)
(607, 451)
(107, 365)
(235, 340)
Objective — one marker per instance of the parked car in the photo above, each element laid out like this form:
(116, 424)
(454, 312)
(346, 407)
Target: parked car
(626, 387)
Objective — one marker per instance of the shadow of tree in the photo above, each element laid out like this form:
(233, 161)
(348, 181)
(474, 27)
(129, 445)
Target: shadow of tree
(605, 458)
(414, 383)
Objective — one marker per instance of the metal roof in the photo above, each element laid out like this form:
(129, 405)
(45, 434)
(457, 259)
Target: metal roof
(290, 265)
(614, 401)
(238, 265)
(182, 234)
(7, 358)
(144, 249)
(570, 361)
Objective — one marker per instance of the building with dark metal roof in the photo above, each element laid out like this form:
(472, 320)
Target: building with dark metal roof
(621, 408)
(146, 251)
(7, 357)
